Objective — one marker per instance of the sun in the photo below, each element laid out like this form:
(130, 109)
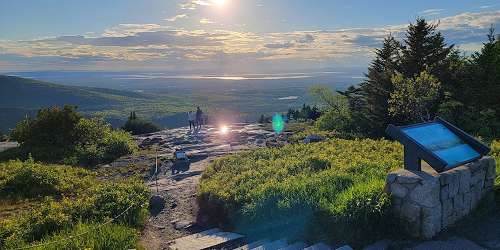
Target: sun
(219, 2)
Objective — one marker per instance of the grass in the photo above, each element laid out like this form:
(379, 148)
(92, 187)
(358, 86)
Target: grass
(67, 201)
(495, 153)
(96, 237)
(331, 190)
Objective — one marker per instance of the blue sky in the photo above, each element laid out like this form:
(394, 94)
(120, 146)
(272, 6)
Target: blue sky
(220, 35)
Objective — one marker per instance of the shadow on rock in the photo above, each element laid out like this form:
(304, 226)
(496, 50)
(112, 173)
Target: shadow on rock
(156, 204)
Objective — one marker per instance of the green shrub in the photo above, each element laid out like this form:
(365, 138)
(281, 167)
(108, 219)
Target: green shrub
(28, 179)
(495, 153)
(110, 200)
(63, 136)
(99, 143)
(85, 236)
(138, 126)
(110, 236)
(3, 137)
(69, 196)
(311, 189)
(51, 136)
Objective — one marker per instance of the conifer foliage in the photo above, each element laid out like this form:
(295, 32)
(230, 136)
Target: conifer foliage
(422, 77)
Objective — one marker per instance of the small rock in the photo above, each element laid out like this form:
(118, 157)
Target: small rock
(183, 224)
(313, 138)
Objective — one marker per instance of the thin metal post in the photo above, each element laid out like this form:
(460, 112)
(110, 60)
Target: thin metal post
(156, 170)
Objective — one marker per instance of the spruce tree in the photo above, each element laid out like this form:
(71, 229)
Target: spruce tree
(369, 101)
(424, 49)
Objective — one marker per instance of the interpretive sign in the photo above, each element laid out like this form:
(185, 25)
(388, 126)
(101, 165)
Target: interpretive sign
(439, 143)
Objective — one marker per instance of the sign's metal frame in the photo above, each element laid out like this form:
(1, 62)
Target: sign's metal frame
(414, 152)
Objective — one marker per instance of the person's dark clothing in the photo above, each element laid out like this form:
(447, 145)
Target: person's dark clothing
(199, 117)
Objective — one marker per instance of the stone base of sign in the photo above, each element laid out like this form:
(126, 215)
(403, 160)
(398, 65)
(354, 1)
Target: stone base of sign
(427, 202)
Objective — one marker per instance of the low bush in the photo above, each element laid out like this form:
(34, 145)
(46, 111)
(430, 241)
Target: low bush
(495, 153)
(331, 190)
(137, 126)
(68, 197)
(29, 179)
(99, 143)
(110, 236)
(58, 135)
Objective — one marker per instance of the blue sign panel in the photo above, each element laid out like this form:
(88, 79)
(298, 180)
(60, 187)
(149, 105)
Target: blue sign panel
(442, 142)
(439, 143)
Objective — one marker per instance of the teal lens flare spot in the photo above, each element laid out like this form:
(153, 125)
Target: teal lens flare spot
(278, 124)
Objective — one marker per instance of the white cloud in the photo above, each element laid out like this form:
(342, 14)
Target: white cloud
(206, 21)
(177, 17)
(431, 12)
(193, 4)
(154, 45)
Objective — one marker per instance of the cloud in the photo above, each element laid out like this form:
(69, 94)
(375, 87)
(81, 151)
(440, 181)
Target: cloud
(308, 38)
(193, 4)
(431, 12)
(177, 17)
(489, 6)
(283, 45)
(148, 46)
(206, 21)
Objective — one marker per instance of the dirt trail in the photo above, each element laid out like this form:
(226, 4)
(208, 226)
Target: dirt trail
(177, 183)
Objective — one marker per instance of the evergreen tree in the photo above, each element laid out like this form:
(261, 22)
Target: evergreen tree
(137, 126)
(473, 102)
(369, 101)
(424, 49)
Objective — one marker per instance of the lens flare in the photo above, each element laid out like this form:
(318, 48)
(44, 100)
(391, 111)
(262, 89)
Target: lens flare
(224, 129)
(278, 123)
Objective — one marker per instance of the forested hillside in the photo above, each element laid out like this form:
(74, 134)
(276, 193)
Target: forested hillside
(20, 97)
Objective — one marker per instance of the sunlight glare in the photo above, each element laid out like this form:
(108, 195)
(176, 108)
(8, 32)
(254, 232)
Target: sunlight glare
(224, 129)
(219, 3)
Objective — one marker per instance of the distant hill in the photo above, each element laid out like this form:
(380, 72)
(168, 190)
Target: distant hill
(21, 96)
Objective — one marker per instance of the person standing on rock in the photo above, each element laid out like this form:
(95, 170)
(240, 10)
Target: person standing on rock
(191, 120)
(199, 117)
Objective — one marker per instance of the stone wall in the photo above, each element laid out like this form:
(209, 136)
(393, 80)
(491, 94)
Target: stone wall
(427, 202)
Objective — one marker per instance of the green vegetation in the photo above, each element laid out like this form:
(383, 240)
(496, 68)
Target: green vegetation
(417, 79)
(306, 113)
(137, 126)
(62, 135)
(495, 153)
(21, 97)
(110, 236)
(3, 137)
(69, 201)
(331, 190)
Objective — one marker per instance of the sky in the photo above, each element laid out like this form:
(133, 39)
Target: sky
(222, 36)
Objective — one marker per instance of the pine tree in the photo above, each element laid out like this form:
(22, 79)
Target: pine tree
(369, 101)
(424, 49)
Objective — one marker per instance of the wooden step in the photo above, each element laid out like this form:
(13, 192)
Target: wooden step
(295, 246)
(275, 245)
(253, 245)
(210, 239)
(319, 246)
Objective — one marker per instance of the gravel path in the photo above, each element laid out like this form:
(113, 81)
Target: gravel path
(177, 183)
